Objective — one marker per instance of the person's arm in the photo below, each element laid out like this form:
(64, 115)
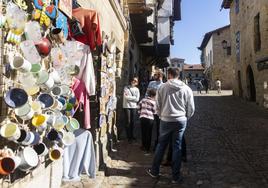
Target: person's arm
(128, 96)
(137, 95)
(158, 102)
(154, 108)
(139, 107)
(190, 105)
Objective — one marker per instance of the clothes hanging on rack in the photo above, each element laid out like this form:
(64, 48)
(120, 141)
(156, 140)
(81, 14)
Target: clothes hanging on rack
(86, 72)
(89, 21)
(85, 82)
(79, 157)
(82, 97)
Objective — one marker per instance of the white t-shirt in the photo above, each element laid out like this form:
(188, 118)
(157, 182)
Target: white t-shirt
(218, 83)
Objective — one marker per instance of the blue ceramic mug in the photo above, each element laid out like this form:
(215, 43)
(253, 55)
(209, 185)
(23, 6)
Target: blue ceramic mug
(16, 97)
(46, 99)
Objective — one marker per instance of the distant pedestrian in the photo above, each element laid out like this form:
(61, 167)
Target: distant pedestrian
(155, 84)
(146, 110)
(218, 85)
(175, 104)
(199, 86)
(130, 98)
(206, 84)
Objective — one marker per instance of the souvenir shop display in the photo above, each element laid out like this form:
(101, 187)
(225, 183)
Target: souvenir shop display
(40, 98)
(49, 77)
(107, 82)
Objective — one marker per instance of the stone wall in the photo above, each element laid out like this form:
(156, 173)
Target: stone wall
(222, 67)
(47, 175)
(113, 23)
(244, 22)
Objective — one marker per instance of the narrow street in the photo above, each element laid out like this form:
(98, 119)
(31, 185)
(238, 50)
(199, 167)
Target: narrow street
(227, 146)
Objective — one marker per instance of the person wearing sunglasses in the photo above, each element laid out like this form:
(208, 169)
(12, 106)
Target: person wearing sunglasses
(131, 97)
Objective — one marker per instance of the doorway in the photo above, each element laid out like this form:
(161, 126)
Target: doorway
(240, 90)
(251, 84)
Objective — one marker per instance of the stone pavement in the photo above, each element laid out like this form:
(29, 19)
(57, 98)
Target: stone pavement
(227, 145)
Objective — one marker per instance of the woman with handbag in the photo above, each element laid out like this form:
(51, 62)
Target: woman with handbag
(131, 96)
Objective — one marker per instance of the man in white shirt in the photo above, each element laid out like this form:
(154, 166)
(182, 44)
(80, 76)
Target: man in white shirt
(218, 85)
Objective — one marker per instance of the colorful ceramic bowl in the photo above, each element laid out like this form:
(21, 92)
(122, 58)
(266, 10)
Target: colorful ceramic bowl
(16, 97)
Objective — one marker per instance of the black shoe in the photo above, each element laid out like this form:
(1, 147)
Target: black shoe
(129, 141)
(134, 140)
(167, 163)
(142, 148)
(184, 159)
(178, 181)
(151, 174)
(147, 153)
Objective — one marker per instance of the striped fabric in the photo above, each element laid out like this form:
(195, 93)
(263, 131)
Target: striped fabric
(147, 108)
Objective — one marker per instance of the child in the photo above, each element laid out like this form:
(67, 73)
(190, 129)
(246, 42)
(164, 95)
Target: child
(146, 110)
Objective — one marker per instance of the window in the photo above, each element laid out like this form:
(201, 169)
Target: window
(229, 50)
(236, 6)
(179, 66)
(210, 57)
(196, 75)
(237, 46)
(257, 33)
(173, 65)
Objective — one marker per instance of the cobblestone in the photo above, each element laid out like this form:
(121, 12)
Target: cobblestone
(227, 146)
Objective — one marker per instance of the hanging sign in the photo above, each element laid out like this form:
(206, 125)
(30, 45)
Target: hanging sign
(66, 7)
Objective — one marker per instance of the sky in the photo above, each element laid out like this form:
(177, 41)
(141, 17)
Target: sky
(198, 18)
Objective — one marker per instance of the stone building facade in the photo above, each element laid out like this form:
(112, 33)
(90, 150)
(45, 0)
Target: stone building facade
(113, 24)
(216, 56)
(178, 63)
(193, 72)
(249, 41)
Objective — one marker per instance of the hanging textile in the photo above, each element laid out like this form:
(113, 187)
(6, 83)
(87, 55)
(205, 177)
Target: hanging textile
(79, 157)
(89, 21)
(86, 72)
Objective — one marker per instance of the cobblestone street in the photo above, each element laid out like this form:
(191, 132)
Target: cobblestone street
(227, 146)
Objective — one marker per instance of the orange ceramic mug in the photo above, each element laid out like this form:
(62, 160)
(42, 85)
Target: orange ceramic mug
(9, 164)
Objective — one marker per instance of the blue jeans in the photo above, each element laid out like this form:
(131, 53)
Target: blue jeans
(168, 130)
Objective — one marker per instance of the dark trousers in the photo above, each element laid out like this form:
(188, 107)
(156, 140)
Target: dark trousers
(169, 130)
(183, 149)
(146, 132)
(130, 114)
(157, 123)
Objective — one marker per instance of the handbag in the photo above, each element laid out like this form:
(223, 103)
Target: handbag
(130, 90)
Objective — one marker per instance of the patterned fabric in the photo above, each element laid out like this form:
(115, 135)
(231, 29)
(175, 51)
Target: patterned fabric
(147, 108)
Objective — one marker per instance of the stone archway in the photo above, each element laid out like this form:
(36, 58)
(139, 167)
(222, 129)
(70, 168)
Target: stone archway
(251, 84)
